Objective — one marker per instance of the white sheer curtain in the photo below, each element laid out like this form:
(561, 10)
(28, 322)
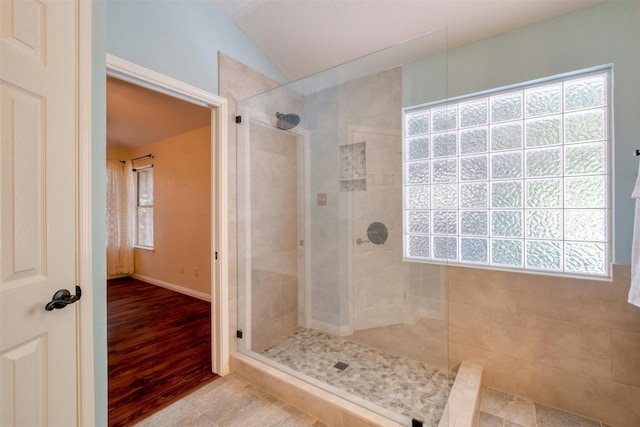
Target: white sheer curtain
(120, 218)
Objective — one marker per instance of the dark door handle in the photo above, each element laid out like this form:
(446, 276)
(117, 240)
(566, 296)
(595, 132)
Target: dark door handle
(63, 298)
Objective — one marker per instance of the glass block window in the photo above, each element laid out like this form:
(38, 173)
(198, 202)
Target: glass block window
(513, 179)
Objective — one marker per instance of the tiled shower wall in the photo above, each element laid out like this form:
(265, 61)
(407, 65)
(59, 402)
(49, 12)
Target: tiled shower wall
(236, 81)
(274, 237)
(276, 277)
(362, 286)
(569, 343)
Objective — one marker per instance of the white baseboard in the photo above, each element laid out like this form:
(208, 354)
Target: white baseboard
(172, 287)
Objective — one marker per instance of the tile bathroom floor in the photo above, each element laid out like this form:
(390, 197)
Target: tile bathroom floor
(229, 401)
(402, 385)
(499, 409)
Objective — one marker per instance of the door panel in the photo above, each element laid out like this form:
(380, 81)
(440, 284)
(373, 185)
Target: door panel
(38, 238)
(23, 382)
(22, 138)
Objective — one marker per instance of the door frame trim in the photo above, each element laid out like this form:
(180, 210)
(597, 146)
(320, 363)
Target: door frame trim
(141, 76)
(85, 388)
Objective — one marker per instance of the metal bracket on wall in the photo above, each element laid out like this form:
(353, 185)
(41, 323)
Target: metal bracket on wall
(239, 333)
(238, 119)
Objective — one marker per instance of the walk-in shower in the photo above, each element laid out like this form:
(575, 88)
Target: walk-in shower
(324, 291)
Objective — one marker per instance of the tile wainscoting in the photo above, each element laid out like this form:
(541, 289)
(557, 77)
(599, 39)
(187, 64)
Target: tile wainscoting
(572, 344)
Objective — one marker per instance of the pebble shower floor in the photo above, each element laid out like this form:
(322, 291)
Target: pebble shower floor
(405, 386)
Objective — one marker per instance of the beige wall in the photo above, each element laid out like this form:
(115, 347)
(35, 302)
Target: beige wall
(182, 212)
(118, 153)
(569, 343)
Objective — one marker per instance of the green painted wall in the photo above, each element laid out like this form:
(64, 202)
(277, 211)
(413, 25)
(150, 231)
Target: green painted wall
(181, 39)
(608, 33)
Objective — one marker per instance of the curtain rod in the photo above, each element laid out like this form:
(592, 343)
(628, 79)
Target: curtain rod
(143, 157)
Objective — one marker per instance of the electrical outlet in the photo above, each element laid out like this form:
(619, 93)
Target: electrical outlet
(322, 199)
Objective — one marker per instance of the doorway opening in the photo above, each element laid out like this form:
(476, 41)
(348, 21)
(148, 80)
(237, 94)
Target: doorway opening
(181, 133)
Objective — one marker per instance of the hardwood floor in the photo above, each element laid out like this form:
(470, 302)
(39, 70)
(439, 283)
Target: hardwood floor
(159, 345)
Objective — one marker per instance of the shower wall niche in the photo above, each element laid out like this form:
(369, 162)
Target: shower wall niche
(353, 167)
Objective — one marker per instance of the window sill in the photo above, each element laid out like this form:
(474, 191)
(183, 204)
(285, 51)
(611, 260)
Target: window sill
(144, 249)
(607, 277)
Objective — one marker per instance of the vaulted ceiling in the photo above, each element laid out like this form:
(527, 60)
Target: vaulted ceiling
(303, 37)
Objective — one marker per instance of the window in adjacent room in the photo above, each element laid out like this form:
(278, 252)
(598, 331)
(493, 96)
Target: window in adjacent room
(144, 207)
(512, 179)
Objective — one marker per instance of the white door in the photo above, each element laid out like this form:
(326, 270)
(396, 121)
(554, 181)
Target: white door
(38, 371)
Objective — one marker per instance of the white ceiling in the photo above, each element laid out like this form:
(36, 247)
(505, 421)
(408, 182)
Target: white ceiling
(137, 116)
(303, 37)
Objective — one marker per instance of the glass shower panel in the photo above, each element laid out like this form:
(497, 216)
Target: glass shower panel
(271, 221)
(323, 289)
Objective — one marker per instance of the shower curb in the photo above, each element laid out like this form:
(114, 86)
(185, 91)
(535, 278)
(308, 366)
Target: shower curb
(464, 400)
(327, 407)
(463, 405)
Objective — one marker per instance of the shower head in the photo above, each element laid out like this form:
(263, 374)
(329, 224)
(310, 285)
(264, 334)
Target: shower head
(287, 121)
